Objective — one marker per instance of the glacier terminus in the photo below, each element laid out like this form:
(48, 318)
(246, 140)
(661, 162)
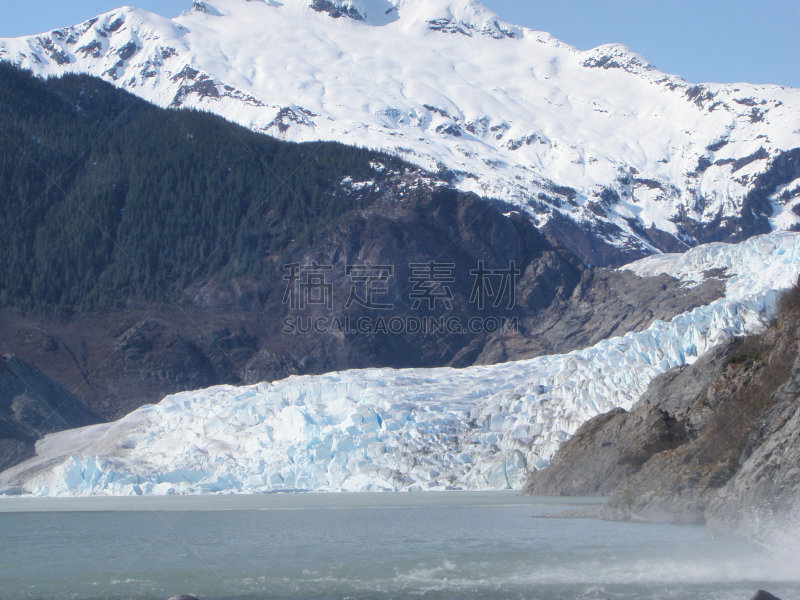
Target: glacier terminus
(479, 428)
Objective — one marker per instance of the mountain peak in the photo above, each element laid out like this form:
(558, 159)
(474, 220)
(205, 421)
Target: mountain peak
(372, 12)
(466, 17)
(200, 6)
(599, 140)
(617, 56)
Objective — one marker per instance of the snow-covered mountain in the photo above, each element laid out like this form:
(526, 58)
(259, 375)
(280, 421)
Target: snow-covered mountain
(599, 139)
(415, 429)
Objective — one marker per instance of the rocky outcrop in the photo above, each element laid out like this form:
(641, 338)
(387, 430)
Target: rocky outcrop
(736, 421)
(687, 387)
(337, 9)
(768, 481)
(605, 451)
(729, 430)
(670, 487)
(610, 448)
(762, 595)
(605, 303)
(31, 406)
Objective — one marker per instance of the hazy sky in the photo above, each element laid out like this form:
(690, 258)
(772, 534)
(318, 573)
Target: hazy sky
(703, 40)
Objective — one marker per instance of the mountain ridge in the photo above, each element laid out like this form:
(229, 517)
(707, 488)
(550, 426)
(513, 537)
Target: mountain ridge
(596, 145)
(177, 281)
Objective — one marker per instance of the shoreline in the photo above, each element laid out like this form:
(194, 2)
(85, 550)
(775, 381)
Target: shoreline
(285, 501)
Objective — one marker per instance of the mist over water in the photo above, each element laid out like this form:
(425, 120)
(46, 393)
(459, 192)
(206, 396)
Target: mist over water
(426, 546)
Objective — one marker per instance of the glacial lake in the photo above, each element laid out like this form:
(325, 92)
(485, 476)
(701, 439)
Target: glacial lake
(452, 545)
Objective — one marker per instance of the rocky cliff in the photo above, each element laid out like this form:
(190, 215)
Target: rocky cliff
(714, 442)
(31, 406)
(768, 481)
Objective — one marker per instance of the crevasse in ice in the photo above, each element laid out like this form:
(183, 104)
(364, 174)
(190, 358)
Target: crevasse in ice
(416, 429)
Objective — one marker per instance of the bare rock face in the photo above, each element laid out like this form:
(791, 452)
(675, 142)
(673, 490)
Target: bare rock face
(768, 482)
(716, 442)
(31, 406)
(605, 303)
(611, 448)
(270, 366)
(605, 451)
(742, 450)
(762, 595)
(679, 390)
(670, 488)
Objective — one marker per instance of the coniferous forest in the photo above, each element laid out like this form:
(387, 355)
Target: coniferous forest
(104, 197)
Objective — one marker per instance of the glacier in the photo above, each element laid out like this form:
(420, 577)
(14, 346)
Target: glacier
(600, 137)
(477, 428)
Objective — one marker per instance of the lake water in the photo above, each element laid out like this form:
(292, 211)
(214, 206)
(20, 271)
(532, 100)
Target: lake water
(455, 545)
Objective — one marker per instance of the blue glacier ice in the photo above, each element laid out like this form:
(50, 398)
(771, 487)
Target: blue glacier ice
(478, 428)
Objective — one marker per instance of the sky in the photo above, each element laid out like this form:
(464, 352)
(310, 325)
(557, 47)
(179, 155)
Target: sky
(724, 41)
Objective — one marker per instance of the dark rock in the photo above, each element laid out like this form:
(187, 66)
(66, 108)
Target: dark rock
(451, 26)
(768, 481)
(741, 163)
(710, 442)
(605, 303)
(337, 9)
(287, 117)
(450, 129)
(605, 451)
(31, 406)
(202, 87)
(591, 243)
(115, 25)
(270, 366)
(679, 390)
(128, 50)
(94, 48)
(665, 489)
(718, 145)
(762, 595)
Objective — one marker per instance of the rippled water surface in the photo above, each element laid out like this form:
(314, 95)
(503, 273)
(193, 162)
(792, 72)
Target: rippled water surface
(370, 546)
